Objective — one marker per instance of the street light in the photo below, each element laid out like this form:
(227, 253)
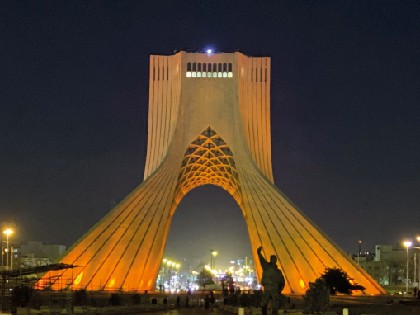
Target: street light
(418, 262)
(214, 254)
(162, 275)
(407, 244)
(7, 232)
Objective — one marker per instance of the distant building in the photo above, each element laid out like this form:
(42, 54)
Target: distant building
(387, 265)
(34, 253)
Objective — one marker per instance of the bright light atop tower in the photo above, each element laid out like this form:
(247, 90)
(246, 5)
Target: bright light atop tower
(209, 51)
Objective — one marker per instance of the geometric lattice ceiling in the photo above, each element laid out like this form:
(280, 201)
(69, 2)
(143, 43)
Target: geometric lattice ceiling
(208, 160)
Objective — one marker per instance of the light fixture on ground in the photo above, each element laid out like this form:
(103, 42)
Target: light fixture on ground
(407, 244)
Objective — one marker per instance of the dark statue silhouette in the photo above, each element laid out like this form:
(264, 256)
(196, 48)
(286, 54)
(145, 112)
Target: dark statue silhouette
(273, 282)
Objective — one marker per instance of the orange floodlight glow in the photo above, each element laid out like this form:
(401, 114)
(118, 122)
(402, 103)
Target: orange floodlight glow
(78, 278)
(302, 283)
(111, 283)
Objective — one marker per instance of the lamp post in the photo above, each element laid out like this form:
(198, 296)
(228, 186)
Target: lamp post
(359, 252)
(162, 275)
(11, 257)
(415, 267)
(418, 275)
(418, 262)
(407, 244)
(213, 255)
(176, 278)
(7, 232)
(169, 267)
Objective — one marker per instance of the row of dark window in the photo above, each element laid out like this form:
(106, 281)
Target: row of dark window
(159, 75)
(262, 76)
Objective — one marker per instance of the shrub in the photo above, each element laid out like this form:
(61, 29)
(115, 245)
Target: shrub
(136, 299)
(21, 296)
(80, 297)
(115, 299)
(317, 297)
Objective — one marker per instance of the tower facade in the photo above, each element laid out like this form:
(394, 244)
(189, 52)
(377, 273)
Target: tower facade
(209, 123)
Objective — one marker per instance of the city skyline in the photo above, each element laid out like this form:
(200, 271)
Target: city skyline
(344, 114)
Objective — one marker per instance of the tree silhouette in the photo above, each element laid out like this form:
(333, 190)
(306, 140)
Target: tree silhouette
(21, 296)
(204, 278)
(339, 281)
(227, 282)
(317, 297)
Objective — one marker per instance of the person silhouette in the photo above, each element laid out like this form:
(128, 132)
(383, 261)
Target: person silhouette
(272, 280)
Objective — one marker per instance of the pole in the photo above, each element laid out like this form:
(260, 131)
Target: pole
(3, 293)
(406, 280)
(415, 266)
(11, 257)
(7, 251)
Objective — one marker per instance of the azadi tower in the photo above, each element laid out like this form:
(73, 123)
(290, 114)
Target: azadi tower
(209, 123)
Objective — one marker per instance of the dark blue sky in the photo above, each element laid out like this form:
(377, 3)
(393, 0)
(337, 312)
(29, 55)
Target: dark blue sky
(345, 113)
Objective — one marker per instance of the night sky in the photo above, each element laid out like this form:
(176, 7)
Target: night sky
(345, 114)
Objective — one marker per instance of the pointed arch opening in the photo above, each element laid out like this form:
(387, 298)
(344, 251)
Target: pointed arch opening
(206, 219)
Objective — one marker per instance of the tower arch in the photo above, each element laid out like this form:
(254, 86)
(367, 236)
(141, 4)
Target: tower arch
(206, 125)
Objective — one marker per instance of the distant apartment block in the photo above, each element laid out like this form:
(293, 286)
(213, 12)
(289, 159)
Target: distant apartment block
(35, 253)
(388, 265)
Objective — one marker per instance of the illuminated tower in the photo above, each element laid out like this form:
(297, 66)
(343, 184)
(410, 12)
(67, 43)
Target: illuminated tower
(209, 123)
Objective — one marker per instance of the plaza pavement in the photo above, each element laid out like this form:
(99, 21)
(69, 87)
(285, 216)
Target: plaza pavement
(357, 305)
